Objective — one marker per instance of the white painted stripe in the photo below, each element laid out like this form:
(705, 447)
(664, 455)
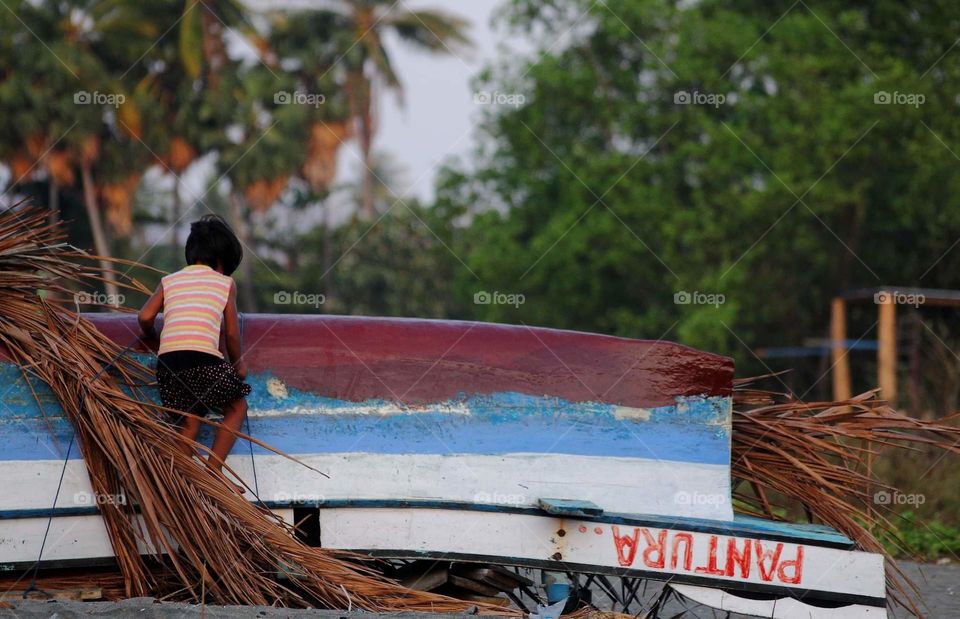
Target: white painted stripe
(383, 409)
(619, 485)
(70, 538)
(623, 413)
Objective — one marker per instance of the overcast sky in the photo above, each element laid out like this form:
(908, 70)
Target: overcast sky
(436, 121)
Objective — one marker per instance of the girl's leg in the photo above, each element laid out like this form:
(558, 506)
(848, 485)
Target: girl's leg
(233, 415)
(190, 429)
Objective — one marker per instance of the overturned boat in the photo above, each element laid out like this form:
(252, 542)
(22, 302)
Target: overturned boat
(469, 442)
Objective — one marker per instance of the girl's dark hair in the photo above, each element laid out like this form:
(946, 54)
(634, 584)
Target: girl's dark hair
(213, 243)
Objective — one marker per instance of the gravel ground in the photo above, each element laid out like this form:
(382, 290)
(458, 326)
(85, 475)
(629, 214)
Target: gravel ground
(939, 586)
(147, 608)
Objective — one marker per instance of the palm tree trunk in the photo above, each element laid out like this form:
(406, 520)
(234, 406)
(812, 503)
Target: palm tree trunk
(214, 50)
(96, 229)
(53, 201)
(248, 300)
(329, 288)
(366, 204)
(366, 146)
(175, 218)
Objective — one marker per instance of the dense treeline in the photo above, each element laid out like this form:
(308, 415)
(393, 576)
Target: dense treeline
(764, 155)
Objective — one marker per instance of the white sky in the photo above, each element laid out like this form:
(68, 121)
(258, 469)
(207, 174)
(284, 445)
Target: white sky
(436, 122)
(438, 118)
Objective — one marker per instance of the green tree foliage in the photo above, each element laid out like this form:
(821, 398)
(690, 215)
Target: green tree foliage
(723, 147)
(400, 268)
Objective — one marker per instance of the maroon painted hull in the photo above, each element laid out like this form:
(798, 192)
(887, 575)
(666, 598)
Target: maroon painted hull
(420, 361)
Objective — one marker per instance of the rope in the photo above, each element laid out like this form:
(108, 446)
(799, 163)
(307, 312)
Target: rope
(63, 470)
(73, 436)
(253, 461)
(36, 566)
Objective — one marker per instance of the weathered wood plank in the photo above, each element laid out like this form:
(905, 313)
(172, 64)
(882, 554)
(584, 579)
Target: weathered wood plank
(473, 585)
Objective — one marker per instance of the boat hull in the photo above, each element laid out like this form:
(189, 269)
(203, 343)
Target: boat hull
(445, 439)
(413, 410)
(809, 571)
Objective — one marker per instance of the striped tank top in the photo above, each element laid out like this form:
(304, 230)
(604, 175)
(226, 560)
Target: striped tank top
(193, 302)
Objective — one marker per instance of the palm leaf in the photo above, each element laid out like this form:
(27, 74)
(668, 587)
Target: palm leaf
(813, 454)
(209, 543)
(191, 39)
(436, 31)
(378, 54)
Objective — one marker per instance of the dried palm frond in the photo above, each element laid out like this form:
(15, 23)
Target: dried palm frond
(320, 163)
(117, 199)
(60, 167)
(180, 155)
(36, 144)
(130, 120)
(20, 166)
(210, 542)
(813, 454)
(89, 150)
(262, 193)
(108, 581)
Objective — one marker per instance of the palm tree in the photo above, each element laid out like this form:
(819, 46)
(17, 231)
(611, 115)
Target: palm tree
(70, 53)
(179, 137)
(369, 65)
(188, 120)
(99, 37)
(267, 149)
(202, 40)
(310, 43)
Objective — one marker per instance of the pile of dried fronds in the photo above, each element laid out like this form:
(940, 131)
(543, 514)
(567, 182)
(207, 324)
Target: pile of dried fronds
(211, 543)
(814, 455)
(108, 583)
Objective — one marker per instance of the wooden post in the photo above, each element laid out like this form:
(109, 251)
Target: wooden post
(838, 351)
(887, 349)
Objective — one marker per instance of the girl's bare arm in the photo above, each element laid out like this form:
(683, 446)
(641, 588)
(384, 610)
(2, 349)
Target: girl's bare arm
(231, 328)
(148, 313)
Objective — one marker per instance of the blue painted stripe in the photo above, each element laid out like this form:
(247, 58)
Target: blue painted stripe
(693, 430)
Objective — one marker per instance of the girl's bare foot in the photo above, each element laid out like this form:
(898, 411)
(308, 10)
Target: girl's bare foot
(236, 487)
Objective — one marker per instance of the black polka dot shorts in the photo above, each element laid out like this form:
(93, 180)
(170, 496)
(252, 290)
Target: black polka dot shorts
(196, 382)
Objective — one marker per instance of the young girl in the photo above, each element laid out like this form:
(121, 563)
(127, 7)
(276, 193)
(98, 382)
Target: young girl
(197, 302)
